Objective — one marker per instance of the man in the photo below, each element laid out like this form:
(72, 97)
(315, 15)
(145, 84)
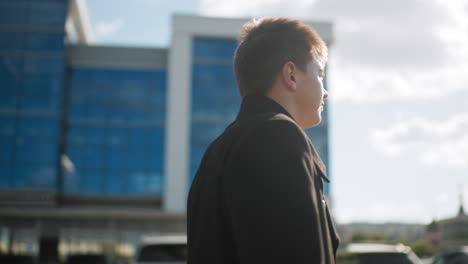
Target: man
(257, 196)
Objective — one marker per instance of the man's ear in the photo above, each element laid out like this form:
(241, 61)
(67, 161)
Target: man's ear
(288, 75)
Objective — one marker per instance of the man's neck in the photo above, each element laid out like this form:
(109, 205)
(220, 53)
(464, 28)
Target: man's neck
(285, 100)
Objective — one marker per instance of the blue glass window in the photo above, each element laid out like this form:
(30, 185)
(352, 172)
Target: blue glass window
(11, 65)
(98, 93)
(22, 176)
(47, 129)
(6, 176)
(40, 103)
(138, 159)
(45, 42)
(142, 182)
(12, 41)
(35, 177)
(92, 181)
(31, 83)
(117, 158)
(48, 13)
(96, 135)
(77, 135)
(94, 157)
(155, 160)
(14, 13)
(10, 83)
(78, 93)
(36, 153)
(7, 127)
(136, 179)
(37, 64)
(43, 14)
(45, 85)
(214, 48)
(140, 136)
(155, 183)
(72, 181)
(118, 135)
(8, 102)
(116, 182)
(75, 155)
(156, 137)
(78, 113)
(114, 123)
(6, 153)
(215, 98)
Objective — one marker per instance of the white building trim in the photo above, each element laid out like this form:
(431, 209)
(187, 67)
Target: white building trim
(78, 25)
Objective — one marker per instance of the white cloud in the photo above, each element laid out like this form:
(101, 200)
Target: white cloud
(442, 198)
(397, 50)
(403, 49)
(248, 8)
(105, 29)
(400, 33)
(367, 84)
(436, 144)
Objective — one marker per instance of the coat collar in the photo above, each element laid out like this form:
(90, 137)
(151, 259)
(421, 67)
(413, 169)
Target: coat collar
(258, 104)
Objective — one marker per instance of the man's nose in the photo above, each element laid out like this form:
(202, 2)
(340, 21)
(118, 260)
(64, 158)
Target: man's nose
(325, 94)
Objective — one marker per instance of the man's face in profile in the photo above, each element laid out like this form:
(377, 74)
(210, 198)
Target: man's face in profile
(310, 95)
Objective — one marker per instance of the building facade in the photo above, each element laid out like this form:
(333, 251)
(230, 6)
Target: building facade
(101, 143)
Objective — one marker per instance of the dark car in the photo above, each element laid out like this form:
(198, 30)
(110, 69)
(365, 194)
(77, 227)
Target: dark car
(18, 259)
(452, 256)
(370, 253)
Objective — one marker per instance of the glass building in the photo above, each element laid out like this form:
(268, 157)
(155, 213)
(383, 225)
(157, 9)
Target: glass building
(31, 80)
(101, 143)
(115, 132)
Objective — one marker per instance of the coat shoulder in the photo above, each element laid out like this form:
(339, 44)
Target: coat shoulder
(282, 126)
(276, 129)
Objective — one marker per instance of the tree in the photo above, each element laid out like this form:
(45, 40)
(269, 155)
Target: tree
(423, 248)
(358, 236)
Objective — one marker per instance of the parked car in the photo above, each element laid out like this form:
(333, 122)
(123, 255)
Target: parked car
(162, 249)
(373, 253)
(18, 259)
(452, 256)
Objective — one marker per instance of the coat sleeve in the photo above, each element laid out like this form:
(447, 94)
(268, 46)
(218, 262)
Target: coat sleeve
(270, 193)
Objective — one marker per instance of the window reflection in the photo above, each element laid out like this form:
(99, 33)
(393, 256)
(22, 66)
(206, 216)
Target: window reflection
(215, 99)
(116, 132)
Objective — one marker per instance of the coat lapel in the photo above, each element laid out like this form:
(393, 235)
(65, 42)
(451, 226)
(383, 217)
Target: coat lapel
(319, 163)
(257, 104)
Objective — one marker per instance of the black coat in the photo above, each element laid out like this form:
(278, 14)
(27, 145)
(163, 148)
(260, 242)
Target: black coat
(257, 196)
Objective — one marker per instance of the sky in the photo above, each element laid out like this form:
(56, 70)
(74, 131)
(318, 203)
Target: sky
(398, 104)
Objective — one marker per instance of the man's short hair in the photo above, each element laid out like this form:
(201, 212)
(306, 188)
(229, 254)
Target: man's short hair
(265, 45)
